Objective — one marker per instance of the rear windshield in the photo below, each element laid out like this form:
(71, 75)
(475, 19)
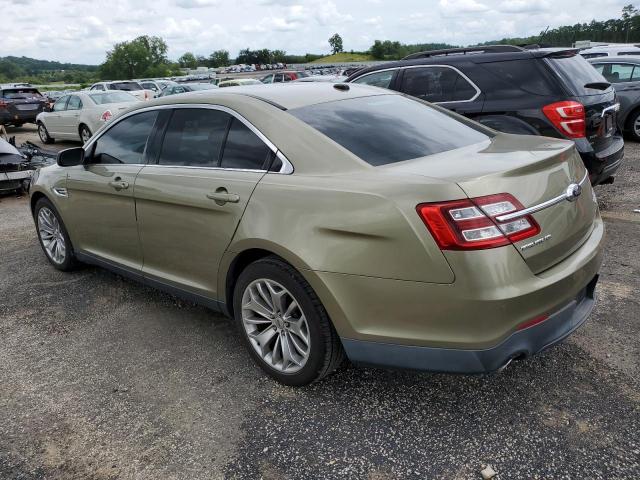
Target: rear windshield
(112, 97)
(126, 86)
(385, 129)
(576, 72)
(21, 93)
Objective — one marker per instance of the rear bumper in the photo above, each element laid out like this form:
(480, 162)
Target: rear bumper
(522, 343)
(604, 163)
(28, 116)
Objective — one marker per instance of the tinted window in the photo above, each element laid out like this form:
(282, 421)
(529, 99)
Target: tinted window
(112, 97)
(194, 137)
(61, 104)
(126, 86)
(637, 52)
(437, 84)
(576, 72)
(125, 142)
(528, 75)
(74, 103)
(593, 55)
(22, 93)
(243, 148)
(150, 86)
(388, 128)
(378, 79)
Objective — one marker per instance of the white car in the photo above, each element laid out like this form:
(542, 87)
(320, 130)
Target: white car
(612, 50)
(129, 86)
(80, 115)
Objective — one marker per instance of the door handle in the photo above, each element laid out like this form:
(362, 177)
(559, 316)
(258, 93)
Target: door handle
(119, 185)
(221, 196)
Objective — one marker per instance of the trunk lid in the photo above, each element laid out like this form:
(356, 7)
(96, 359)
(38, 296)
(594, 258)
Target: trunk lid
(532, 169)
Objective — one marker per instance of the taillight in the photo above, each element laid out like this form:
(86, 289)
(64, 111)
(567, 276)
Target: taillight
(3, 104)
(106, 116)
(568, 117)
(472, 224)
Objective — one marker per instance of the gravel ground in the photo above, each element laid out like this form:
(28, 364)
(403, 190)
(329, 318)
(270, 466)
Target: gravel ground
(102, 378)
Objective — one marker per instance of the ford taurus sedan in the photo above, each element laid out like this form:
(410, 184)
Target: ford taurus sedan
(331, 220)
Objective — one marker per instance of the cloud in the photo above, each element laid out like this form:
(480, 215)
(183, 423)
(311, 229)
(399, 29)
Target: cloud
(461, 7)
(374, 21)
(196, 3)
(524, 6)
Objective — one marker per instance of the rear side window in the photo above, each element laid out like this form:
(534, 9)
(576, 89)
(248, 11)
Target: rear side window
(243, 148)
(126, 141)
(377, 79)
(527, 74)
(437, 84)
(194, 137)
(126, 86)
(575, 72)
(390, 128)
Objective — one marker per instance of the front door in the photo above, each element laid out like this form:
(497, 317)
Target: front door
(70, 118)
(103, 219)
(53, 120)
(190, 203)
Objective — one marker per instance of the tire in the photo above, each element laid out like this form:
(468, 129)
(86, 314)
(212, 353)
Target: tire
(324, 351)
(43, 133)
(85, 133)
(50, 228)
(634, 126)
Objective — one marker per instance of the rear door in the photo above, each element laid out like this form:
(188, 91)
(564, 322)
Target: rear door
(444, 85)
(190, 202)
(103, 215)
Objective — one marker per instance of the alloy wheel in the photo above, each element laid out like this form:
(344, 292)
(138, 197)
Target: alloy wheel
(51, 235)
(275, 325)
(636, 126)
(42, 133)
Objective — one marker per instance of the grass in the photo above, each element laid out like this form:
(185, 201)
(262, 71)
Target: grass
(344, 57)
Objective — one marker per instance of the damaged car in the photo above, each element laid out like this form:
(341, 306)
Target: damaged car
(17, 165)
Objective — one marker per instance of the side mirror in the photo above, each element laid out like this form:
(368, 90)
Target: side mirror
(71, 157)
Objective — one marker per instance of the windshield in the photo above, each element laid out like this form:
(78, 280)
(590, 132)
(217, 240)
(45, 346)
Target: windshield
(575, 73)
(384, 129)
(112, 97)
(126, 86)
(22, 93)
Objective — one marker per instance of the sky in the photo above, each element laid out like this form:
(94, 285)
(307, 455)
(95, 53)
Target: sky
(82, 31)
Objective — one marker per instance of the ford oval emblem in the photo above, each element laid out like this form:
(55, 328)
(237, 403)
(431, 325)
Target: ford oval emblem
(573, 192)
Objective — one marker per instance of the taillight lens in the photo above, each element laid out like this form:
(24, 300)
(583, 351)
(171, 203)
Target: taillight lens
(568, 117)
(106, 116)
(3, 104)
(471, 224)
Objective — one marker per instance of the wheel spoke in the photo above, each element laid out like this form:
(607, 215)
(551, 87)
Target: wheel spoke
(255, 306)
(263, 338)
(277, 297)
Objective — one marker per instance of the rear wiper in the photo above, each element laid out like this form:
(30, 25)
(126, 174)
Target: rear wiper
(597, 85)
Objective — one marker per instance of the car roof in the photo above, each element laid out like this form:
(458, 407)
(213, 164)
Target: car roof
(617, 58)
(474, 57)
(285, 96)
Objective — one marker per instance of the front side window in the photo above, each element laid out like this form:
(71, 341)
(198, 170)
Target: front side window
(616, 72)
(194, 137)
(243, 148)
(150, 86)
(391, 128)
(98, 87)
(267, 79)
(74, 103)
(437, 84)
(126, 141)
(61, 104)
(378, 79)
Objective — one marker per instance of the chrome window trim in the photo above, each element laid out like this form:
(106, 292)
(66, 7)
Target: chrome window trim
(541, 206)
(287, 166)
(476, 88)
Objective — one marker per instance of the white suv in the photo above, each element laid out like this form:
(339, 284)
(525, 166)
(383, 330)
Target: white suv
(613, 50)
(129, 86)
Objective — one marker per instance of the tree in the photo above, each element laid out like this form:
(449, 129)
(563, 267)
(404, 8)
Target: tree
(141, 57)
(219, 58)
(188, 60)
(336, 43)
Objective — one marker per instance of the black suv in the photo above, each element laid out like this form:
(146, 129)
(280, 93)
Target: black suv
(552, 92)
(19, 104)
